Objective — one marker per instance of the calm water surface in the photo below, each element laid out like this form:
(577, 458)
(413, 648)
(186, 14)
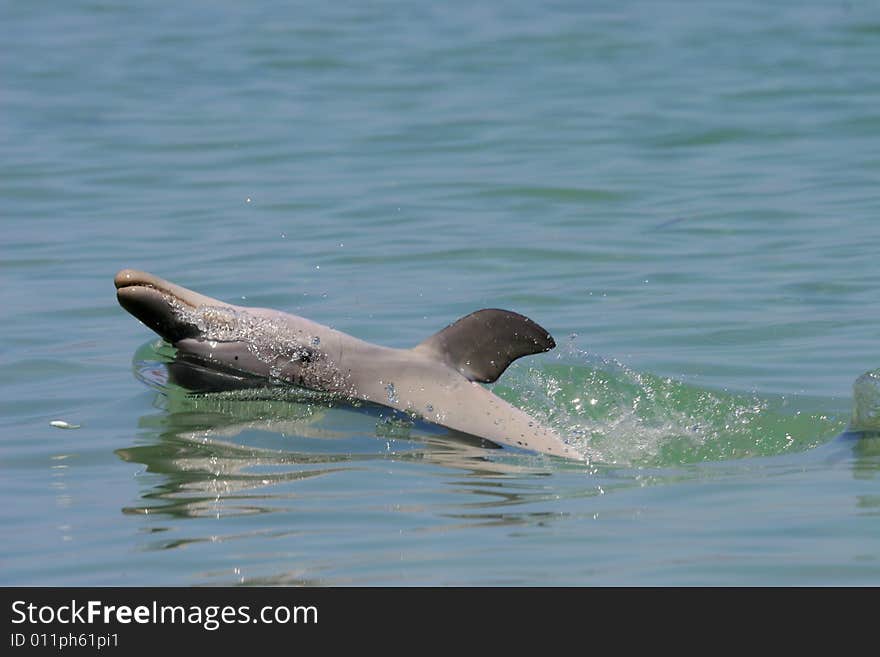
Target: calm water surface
(686, 195)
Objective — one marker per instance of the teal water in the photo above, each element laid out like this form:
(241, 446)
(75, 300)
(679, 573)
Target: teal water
(685, 194)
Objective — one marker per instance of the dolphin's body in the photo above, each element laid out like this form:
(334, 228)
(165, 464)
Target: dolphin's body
(865, 420)
(437, 379)
(866, 403)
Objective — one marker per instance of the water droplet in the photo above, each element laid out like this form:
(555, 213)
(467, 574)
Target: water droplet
(392, 393)
(248, 199)
(429, 408)
(317, 266)
(316, 340)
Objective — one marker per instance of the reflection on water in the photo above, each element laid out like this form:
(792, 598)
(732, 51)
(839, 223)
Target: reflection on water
(213, 457)
(866, 455)
(222, 455)
(242, 451)
(196, 452)
(318, 489)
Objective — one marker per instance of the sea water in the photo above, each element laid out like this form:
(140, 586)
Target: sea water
(686, 195)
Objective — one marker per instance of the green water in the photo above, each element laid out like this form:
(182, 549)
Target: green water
(684, 194)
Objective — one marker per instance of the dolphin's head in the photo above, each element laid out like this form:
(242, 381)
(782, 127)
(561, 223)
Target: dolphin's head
(255, 341)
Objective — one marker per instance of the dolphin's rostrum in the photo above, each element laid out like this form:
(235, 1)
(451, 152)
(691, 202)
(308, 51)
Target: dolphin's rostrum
(437, 379)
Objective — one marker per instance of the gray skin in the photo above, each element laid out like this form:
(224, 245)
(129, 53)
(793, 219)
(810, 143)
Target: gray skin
(438, 380)
(866, 403)
(865, 420)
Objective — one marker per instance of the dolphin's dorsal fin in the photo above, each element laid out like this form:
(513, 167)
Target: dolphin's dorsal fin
(481, 345)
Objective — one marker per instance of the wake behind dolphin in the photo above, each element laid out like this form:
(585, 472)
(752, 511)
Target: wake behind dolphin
(438, 379)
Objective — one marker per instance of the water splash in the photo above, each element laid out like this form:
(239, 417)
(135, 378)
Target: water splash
(623, 417)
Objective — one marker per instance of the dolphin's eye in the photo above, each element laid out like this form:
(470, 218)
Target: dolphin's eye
(302, 355)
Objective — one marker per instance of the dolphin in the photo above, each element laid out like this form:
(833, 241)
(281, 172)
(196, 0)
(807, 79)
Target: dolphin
(866, 403)
(438, 379)
(865, 419)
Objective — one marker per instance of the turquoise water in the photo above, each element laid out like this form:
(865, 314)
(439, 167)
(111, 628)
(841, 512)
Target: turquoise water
(685, 194)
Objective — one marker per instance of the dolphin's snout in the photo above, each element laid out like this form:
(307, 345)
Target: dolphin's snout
(157, 303)
(133, 277)
(126, 277)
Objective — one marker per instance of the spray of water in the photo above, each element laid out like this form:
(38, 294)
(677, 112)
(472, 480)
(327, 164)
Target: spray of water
(623, 417)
